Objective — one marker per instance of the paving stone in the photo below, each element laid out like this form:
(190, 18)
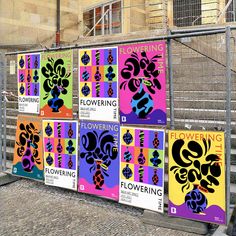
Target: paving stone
(31, 208)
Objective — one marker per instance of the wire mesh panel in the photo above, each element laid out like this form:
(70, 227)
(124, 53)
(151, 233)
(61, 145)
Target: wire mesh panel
(10, 107)
(199, 83)
(230, 12)
(202, 88)
(187, 12)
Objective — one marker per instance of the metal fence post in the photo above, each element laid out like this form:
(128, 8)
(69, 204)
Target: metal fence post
(4, 114)
(1, 80)
(171, 87)
(228, 117)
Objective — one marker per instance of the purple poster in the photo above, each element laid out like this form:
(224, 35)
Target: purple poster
(29, 75)
(99, 159)
(142, 79)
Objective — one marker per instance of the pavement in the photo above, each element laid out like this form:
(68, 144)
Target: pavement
(30, 208)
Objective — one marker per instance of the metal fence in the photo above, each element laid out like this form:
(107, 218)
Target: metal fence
(201, 88)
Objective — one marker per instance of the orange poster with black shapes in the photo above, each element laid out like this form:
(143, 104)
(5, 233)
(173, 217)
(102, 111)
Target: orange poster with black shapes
(28, 153)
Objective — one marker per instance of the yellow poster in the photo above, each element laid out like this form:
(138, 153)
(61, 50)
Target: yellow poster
(197, 175)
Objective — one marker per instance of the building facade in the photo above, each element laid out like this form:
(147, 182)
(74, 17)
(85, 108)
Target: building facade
(33, 23)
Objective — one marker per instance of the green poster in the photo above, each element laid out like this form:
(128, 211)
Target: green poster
(56, 84)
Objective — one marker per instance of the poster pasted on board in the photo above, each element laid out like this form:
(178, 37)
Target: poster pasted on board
(142, 168)
(28, 80)
(197, 175)
(60, 140)
(98, 84)
(56, 84)
(99, 159)
(28, 152)
(142, 79)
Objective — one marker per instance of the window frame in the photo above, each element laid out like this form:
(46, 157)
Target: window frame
(230, 16)
(102, 6)
(184, 13)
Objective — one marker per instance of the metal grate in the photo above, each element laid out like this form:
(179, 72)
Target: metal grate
(230, 12)
(187, 12)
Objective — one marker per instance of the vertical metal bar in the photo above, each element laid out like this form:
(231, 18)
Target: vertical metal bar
(1, 80)
(228, 117)
(103, 18)
(4, 118)
(58, 23)
(171, 86)
(110, 18)
(94, 22)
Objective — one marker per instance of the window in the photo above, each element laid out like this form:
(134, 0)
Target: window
(102, 20)
(230, 12)
(187, 12)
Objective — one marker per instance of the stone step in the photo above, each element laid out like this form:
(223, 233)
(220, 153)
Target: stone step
(208, 114)
(201, 103)
(233, 141)
(189, 77)
(233, 156)
(203, 94)
(9, 152)
(199, 86)
(196, 70)
(199, 124)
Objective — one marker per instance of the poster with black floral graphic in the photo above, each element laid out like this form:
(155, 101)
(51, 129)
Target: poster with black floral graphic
(60, 140)
(99, 159)
(56, 84)
(28, 151)
(98, 84)
(197, 175)
(142, 167)
(142, 79)
(28, 80)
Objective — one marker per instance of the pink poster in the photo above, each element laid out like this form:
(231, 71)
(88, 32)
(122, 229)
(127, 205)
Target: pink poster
(142, 79)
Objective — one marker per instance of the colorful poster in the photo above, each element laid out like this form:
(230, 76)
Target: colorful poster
(142, 79)
(28, 152)
(197, 175)
(99, 159)
(56, 85)
(28, 78)
(60, 140)
(98, 84)
(142, 168)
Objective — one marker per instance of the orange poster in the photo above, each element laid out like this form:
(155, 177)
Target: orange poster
(28, 153)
